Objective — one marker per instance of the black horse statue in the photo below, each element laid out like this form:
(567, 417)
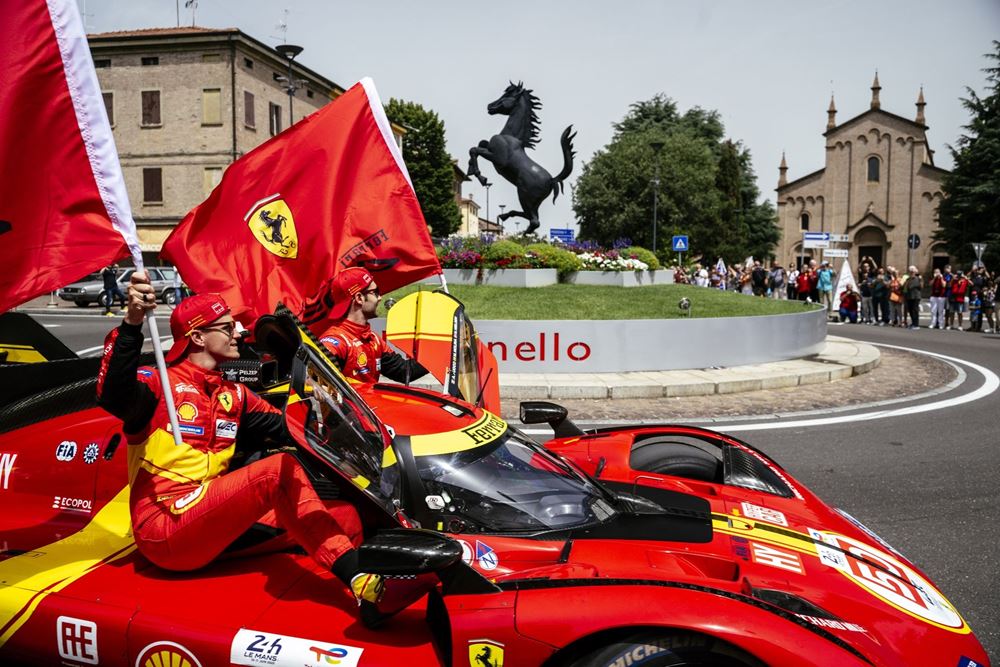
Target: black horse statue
(506, 152)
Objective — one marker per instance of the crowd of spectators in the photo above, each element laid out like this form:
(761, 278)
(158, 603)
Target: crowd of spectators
(884, 296)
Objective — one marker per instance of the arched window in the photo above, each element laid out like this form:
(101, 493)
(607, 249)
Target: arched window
(805, 220)
(873, 167)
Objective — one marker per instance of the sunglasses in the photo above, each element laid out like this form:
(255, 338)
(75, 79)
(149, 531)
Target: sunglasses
(229, 328)
(374, 291)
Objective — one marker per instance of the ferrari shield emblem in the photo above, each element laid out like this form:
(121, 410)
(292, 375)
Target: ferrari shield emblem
(226, 401)
(272, 225)
(485, 653)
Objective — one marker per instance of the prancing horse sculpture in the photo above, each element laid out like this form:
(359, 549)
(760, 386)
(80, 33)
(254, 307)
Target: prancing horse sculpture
(507, 153)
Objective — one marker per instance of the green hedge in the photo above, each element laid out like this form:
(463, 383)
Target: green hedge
(643, 255)
(557, 258)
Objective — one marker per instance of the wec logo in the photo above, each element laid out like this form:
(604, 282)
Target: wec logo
(225, 429)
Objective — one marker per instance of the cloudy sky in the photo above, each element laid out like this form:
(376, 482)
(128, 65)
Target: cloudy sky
(767, 66)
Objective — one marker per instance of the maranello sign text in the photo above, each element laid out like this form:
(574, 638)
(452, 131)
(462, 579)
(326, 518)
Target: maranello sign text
(545, 346)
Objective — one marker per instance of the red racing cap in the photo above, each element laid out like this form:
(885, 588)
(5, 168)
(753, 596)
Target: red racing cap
(192, 313)
(344, 286)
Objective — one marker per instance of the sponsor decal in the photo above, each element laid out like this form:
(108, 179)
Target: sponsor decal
(485, 653)
(486, 557)
(365, 246)
(538, 350)
(466, 551)
(362, 359)
(6, 465)
(218, 308)
(188, 500)
(331, 340)
(77, 640)
(66, 450)
(741, 546)
(832, 624)
(226, 400)
(159, 654)
(779, 558)
(143, 372)
(968, 662)
(867, 531)
(225, 429)
(190, 429)
(253, 647)
(187, 412)
(185, 388)
(752, 511)
(90, 453)
(78, 505)
(888, 580)
(273, 226)
(486, 429)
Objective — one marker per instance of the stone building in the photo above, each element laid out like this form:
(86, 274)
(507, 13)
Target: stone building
(879, 187)
(184, 103)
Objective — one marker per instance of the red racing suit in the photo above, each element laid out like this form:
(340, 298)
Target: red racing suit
(186, 506)
(362, 355)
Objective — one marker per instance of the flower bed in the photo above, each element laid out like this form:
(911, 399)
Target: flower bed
(620, 278)
(502, 277)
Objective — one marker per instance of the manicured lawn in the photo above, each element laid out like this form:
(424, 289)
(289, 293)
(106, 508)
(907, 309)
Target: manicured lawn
(591, 302)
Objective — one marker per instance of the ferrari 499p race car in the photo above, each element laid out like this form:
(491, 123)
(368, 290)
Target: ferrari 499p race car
(651, 545)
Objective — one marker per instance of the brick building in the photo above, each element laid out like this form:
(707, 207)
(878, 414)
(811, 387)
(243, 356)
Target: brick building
(184, 103)
(879, 186)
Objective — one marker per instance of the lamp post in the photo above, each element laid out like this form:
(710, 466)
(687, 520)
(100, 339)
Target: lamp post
(488, 186)
(500, 220)
(289, 51)
(657, 146)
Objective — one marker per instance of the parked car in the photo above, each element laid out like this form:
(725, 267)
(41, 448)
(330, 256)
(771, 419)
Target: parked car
(91, 288)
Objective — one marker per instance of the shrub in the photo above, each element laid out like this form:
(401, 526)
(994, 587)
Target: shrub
(645, 256)
(550, 256)
(504, 253)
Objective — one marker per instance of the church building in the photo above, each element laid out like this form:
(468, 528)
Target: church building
(878, 193)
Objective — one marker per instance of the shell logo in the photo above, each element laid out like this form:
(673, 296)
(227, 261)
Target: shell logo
(187, 412)
(362, 359)
(166, 654)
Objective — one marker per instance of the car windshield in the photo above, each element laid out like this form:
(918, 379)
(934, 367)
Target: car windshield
(509, 485)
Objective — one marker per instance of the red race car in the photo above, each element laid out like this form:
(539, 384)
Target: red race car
(665, 545)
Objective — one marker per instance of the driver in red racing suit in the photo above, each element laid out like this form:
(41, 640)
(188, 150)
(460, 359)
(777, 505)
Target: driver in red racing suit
(361, 353)
(186, 506)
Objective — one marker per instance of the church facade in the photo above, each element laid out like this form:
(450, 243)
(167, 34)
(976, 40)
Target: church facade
(879, 189)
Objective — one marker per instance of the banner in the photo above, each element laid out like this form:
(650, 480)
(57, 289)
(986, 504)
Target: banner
(328, 193)
(64, 211)
(846, 278)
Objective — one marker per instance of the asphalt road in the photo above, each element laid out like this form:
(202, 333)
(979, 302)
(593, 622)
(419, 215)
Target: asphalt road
(925, 481)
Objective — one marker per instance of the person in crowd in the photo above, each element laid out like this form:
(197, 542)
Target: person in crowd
(938, 300)
(112, 291)
(880, 297)
(957, 304)
(715, 280)
(825, 278)
(745, 282)
(949, 314)
(988, 298)
(792, 281)
(813, 281)
(701, 276)
(975, 311)
(914, 290)
(895, 297)
(187, 506)
(849, 305)
(865, 290)
(804, 283)
(758, 279)
(360, 352)
(776, 281)
(680, 277)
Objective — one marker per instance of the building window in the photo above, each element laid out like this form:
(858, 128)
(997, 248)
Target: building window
(109, 106)
(102, 63)
(873, 167)
(152, 185)
(211, 106)
(151, 108)
(249, 117)
(211, 57)
(274, 118)
(309, 94)
(150, 61)
(804, 219)
(248, 63)
(211, 178)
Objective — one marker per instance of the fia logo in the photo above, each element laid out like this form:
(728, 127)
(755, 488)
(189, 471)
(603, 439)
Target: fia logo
(66, 450)
(77, 639)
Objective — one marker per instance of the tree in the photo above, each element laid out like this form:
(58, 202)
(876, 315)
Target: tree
(707, 188)
(970, 210)
(429, 164)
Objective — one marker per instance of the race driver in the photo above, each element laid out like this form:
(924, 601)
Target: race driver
(186, 505)
(360, 352)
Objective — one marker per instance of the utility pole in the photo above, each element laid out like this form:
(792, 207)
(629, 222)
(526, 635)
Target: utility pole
(657, 146)
(289, 51)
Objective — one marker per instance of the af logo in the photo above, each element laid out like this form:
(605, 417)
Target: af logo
(485, 653)
(271, 223)
(226, 401)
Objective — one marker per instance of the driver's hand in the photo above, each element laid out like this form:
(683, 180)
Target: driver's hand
(141, 297)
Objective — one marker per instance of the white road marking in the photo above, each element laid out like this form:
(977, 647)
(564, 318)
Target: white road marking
(51, 326)
(90, 350)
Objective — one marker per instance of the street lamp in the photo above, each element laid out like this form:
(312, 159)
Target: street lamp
(291, 85)
(657, 146)
(488, 186)
(500, 219)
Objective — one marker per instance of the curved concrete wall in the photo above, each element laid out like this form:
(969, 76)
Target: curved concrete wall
(612, 346)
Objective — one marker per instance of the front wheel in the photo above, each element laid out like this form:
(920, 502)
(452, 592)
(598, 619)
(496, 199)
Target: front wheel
(170, 296)
(667, 649)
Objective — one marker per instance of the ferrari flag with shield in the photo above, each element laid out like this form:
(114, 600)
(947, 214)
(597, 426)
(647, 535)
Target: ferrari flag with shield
(330, 192)
(64, 211)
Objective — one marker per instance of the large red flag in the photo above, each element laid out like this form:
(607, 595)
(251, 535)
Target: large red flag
(64, 211)
(328, 193)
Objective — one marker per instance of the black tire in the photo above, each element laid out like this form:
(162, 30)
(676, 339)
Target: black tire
(104, 299)
(664, 648)
(669, 457)
(169, 296)
(81, 303)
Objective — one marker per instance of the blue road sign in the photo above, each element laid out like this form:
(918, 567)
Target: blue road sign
(816, 236)
(564, 235)
(680, 244)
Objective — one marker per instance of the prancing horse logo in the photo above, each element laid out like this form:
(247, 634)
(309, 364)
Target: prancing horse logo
(270, 220)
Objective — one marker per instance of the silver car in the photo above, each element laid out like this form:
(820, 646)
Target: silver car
(91, 288)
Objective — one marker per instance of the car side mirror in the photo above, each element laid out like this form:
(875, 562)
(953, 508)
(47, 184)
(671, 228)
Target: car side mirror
(407, 552)
(556, 416)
